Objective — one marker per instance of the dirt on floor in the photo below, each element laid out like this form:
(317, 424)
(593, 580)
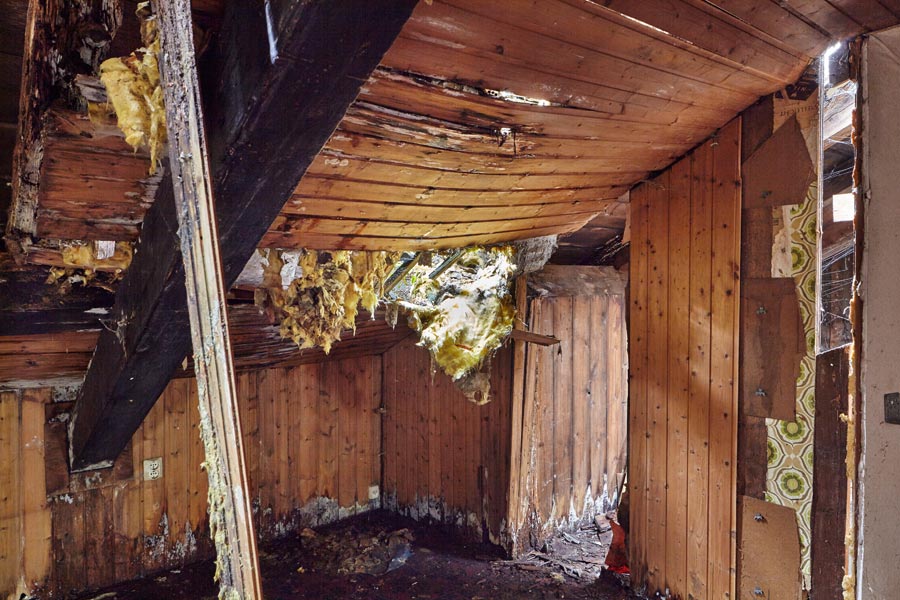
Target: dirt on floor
(382, 556)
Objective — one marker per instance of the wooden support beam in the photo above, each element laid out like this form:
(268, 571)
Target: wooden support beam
(230, 509)
(287, 71)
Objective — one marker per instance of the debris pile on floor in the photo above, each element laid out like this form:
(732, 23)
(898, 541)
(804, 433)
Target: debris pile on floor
(580, 555)
(356, 559)
(360, 552)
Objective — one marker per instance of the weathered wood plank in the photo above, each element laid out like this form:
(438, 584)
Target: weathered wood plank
(829, 501)
(230, 509)
(678, 400)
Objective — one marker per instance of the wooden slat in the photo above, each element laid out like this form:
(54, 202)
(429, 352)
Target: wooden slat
(702, 199)
(723, 398)
(602, 389)
(561, 396)
(617, 410)
(307, 452)
(777, 21)
(176, 460)
(10, 486)
(717, 31)
(829, 501)
(237, 564)
(639, 344)
(657, 364)
(153, 438)
(363, 242)
(583, 403)
(36, 518)
(678, 328)
(545, 48)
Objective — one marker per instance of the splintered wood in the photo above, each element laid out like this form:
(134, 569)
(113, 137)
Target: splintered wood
(230, 510)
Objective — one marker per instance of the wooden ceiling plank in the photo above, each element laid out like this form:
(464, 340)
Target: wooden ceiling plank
(387, 147)
(587, 30)
(388, 151)
(381, 211)
(402, 92)
(482, 33)
(315, 186)
(870, 14)
(55, 49)
(360, 169)
(703, 33)
(701, 23)
(826, 16)
(775, 20)
(361, 242)
(297, 228)
(273, 118)
(493, 71)
(434, 133)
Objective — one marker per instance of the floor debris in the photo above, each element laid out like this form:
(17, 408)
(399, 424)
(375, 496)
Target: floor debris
(380, 556)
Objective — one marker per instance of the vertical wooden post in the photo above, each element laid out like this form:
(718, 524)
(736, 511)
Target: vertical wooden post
(230, 515)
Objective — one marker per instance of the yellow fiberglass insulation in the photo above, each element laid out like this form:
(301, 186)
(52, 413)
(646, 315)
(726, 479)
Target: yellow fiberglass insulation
(323, 301)
(465, 315)
(84, 256)
(132, 86)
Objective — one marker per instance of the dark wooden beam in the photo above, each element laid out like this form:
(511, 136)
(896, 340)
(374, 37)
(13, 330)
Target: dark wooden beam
(270, 109)
(829, 498)
(230, 509)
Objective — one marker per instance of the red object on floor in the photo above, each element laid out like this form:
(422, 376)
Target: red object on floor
(617, 557)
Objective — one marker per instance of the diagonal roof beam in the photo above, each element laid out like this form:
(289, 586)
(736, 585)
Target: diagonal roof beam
(284, 74)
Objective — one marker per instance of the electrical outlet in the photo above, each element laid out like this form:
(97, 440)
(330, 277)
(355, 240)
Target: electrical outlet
(374, 492)
(153, 468)
(892, 408)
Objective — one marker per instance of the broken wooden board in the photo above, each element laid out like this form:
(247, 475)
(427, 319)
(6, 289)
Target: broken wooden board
(230, 510)
(769, 551)
(572, 280)
(780, 171)
(771, 347)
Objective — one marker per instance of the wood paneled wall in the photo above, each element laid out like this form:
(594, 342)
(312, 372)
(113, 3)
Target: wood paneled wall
(445, 458)
(683, 341)
(313, 437)
(574, 422)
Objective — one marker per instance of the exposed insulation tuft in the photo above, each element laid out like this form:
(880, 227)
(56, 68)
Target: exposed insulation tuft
(89, 256)
(133, 88)
(323, 301)
(464, 315)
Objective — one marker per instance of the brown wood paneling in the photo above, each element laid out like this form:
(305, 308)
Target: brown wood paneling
(95, 528)
(683, 325)
(446, 459)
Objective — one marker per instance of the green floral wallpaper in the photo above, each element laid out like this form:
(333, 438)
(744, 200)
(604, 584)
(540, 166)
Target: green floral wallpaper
(789, 475)
(790, 443)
